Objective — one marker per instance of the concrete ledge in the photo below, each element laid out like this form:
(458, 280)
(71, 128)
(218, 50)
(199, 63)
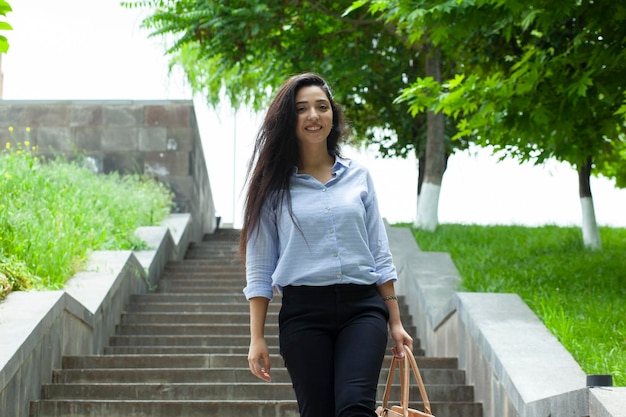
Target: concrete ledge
(518, 368)
(607, 402)
(181, 227)
(527, 365)
(104, 289)
(160, 240)
(168, 242)
(428, 279)
(38, 328)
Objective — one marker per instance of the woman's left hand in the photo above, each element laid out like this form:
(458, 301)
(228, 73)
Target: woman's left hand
(400, 338)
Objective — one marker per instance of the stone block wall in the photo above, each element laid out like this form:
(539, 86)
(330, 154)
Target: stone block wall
(159, 138)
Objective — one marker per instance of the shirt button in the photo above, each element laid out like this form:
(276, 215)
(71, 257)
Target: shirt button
(324, 190)
(331, 231)
(327, 208)
(335, 254)
(338, 275)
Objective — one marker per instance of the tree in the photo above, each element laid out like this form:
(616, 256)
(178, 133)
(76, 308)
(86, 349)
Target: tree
(4, 9)
(245, 49)
(535, 79)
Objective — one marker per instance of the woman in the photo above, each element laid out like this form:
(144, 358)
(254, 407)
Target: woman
(312, 231)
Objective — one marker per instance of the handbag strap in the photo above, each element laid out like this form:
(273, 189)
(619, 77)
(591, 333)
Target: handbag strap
(408, 354)
(392, 369)
(405, 382)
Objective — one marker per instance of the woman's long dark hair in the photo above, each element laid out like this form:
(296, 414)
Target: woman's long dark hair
(276, 151)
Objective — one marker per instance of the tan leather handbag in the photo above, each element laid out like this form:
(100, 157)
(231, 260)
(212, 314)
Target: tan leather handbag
(403, 409)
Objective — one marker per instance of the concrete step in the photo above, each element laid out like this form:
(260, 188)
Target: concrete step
(220, 298)
(202, 270)
(178, 350)
(197, 289)
(276, 391)
(191, 288)
(183, 340)
(182, 374)
(205, 308)
(198, 361)
(160, 347)
(198, 329)
(227, 390)
(233, 317)
(198, 271)
(232, 284)
(190, 329)
(192, 318)
(180, 306)
(258, 408)
(222, 285)
(213, 256)
(164, 375)
(173, 408)
(188, 335)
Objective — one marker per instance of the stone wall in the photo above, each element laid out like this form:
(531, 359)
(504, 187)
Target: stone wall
(159, 138)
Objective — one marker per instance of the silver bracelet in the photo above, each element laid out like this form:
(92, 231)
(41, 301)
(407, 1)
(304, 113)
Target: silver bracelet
(390, 297)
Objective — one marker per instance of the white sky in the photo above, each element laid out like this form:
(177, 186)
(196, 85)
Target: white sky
(95, 50)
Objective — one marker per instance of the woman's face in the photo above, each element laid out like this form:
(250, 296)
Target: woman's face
(315, 115)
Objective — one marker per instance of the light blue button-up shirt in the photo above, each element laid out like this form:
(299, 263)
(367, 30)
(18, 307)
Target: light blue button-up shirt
(341, 237)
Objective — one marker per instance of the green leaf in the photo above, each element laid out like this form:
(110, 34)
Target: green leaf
(4, 44)
(354, 6)
(580, 86)
(529, 19)
(456, 81)
(5, 8)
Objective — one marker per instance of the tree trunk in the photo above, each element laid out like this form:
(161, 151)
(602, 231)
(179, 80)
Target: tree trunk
(421, 167)
(591, 234)
(435, 155)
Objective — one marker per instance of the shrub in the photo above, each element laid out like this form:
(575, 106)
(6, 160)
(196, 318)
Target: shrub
(53, 214)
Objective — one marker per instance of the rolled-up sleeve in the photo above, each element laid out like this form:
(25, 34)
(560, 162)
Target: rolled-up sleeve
(261, 257)
(377, 235)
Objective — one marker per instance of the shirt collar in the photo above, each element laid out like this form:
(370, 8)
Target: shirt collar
(340, 162)
(340, 165)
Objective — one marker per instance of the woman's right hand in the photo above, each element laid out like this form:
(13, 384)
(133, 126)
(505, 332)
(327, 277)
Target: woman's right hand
(259, 359)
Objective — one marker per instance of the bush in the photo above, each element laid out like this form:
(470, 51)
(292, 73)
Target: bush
(53, 214)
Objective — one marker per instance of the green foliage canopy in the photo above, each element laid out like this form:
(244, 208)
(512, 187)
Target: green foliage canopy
(534, 79)
(246, 49)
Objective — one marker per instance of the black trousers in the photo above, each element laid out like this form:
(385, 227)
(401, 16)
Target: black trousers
(333, 340)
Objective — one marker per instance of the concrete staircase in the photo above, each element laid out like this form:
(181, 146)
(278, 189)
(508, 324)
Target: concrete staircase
(182, 351)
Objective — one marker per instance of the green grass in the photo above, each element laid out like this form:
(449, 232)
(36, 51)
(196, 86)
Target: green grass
(53, 214)
(579, 294)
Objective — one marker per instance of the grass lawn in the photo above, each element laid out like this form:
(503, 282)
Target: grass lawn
(578, 293)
